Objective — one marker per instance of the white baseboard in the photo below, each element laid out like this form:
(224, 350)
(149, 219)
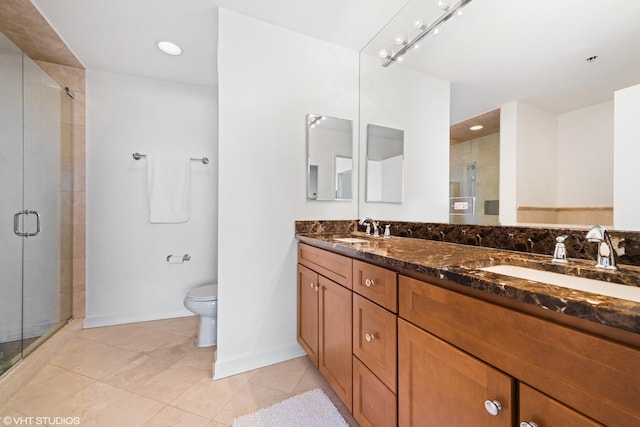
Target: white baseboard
(119, 319)
(238, 365)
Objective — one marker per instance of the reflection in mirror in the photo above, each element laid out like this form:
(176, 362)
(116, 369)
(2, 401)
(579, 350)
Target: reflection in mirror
(329, 158)
(561, 93)
(474, 170)
(385, 159)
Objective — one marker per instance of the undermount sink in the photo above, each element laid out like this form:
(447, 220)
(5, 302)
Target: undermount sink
(626, 292)
(350, 240)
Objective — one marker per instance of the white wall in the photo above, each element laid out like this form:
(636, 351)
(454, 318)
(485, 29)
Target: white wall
(400, 98)
(536, 156)
(269, 79)
(626, 159)
(128, 278)
(585, 157)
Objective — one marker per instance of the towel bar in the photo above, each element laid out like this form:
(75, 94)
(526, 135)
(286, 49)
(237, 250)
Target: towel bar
(204, 160)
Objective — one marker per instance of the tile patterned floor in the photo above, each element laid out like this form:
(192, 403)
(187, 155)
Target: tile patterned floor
(152, 374)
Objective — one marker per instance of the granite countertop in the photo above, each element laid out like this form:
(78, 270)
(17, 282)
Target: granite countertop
(461, 264)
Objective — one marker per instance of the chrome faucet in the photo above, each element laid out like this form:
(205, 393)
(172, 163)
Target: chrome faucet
(560, 252)
(372, 224)
(606, 256)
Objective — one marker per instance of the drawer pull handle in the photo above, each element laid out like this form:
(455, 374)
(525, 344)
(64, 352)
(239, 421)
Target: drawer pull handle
(528, 424)
(369, 337)
(493, 407)
(369, 282)
(311, 285)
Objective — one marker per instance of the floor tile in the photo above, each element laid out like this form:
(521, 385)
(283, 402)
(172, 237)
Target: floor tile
(207, 397)
(43, 396)
(171, 383)
(137, 372)
(249, 399)
(177, 349)
(153, 374)
(200, 358)
(174, 417)
(282, 376)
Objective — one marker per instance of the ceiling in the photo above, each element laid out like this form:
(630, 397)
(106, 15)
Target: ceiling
(498, 52)
(120, 35)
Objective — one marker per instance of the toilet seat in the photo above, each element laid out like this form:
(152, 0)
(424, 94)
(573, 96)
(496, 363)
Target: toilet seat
(204, 293)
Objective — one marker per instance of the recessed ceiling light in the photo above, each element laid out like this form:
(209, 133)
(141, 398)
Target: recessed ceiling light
(476, 127)
(169, 48)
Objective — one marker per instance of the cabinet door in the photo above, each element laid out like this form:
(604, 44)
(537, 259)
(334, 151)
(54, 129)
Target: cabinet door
(375, 339)
(543, 411)
(308, 287)
(335, 338)
(439, 385)
(374, 405)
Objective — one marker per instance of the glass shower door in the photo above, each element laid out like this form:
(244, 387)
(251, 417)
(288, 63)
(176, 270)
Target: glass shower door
(43, 274)
(35, 205)
(10, 202)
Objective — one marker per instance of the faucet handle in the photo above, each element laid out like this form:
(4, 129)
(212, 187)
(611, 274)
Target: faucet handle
(560, 251)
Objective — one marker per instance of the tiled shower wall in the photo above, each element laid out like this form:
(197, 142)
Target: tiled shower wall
(23, 24)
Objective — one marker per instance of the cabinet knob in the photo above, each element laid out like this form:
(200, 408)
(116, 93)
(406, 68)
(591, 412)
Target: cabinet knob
(493, 407)
(369, 282)
(311, 285)
(528, 424)
(316, 287)
(369, 337)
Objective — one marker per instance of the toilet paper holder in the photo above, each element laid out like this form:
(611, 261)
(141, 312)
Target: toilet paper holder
(178, 259)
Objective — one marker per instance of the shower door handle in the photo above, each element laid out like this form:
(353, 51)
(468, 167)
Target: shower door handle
(16, 223)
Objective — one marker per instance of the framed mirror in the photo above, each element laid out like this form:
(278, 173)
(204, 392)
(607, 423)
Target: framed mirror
(329, 158)
(385, 164)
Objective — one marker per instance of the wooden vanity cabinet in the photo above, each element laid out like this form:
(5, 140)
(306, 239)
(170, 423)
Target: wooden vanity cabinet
(325, 316)
(585, 377)
(439, 385)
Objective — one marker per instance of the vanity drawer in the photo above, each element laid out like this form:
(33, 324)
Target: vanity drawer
(375, 339)
(332, 266)
(373, 403)
(376, 283)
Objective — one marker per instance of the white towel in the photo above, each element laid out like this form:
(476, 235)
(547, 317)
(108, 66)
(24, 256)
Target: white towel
(169, 189)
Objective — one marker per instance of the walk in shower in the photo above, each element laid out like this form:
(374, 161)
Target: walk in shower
(36, 178)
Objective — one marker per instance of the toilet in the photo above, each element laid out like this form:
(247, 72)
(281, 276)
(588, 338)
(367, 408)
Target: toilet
(203, 301)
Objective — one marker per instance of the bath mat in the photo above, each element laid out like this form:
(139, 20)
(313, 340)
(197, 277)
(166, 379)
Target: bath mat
(310, 409)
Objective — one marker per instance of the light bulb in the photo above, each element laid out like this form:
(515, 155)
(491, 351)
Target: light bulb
(383, 53)
(416, 46)
(459, 12)
(443, 5)
(399, 40)
(418, 24)
(436, 31)
(400, 59)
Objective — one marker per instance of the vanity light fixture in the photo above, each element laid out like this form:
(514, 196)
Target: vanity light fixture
(169, 48)
(476, 127)
(405, 44)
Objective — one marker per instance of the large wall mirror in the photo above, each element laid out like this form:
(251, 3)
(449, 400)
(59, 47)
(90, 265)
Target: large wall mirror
(559, 88)
(385, 161)
(329, 158)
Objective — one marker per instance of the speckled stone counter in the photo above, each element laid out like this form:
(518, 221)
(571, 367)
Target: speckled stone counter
(461, 264)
